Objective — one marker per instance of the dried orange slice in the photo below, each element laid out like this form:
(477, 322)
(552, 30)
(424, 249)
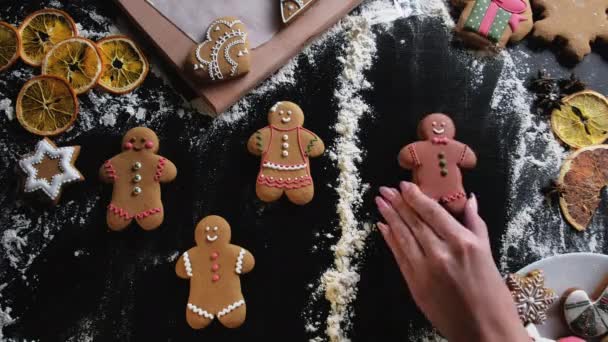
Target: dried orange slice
(582, 120)
(9, 45)
(582, 177)
(46, 105)
(124, 65)
(41, 30)
(77, 61)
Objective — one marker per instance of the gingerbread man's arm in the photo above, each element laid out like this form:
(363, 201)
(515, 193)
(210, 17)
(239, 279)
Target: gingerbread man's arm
(468, 159)
(107, 172)
(258, 142)
(311, 143)
(244, 261)
(183, 267)
(408, 158)
(165, 170)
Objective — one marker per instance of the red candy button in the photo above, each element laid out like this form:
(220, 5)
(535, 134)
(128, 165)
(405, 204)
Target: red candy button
(215, 267)
(215, 277)
(214, 255)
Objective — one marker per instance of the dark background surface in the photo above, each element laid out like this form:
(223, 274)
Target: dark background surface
(123, 287)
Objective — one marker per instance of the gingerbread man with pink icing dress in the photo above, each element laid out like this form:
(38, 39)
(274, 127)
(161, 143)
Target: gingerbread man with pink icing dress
(436, 162)
(214, 268)
(285, 147)
(136, 174)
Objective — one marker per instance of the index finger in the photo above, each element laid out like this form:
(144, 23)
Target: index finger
(430, 211)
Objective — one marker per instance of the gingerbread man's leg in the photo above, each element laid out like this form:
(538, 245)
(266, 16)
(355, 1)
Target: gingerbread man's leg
(197, 321)
(456, 207)
(117, 222)
(301, 195)
(234, 318)
(150, 219)
(268, 193)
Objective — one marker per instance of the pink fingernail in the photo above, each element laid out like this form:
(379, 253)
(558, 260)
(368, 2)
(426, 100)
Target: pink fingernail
(380, 203)
(386, 192)
(382, 227)
(473, 202)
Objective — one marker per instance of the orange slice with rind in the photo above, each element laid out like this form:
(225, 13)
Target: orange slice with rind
(42, 30)
(9, 45)
(124, 65)
(77, 61)
(46, 105)
(582, 120)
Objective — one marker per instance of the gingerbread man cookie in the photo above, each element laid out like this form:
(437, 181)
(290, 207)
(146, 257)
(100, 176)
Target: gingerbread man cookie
(490, 24)
(136, 174)
(225, 52)
(576, 23)
(285, 147)
(49, 168)
(436, 162)
(214, 268)
(531, 297)
(585, 317)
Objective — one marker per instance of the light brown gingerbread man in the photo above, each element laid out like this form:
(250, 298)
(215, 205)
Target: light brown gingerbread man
(136, 174)
(285, 147)
(214, 268)
(436, 162)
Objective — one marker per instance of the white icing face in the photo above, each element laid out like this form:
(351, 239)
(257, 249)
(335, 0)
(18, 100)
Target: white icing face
(214, 234)
(438, 127)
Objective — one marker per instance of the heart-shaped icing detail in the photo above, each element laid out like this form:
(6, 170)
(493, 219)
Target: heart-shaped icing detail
(585, 317)
(225, 52)
(290, 9)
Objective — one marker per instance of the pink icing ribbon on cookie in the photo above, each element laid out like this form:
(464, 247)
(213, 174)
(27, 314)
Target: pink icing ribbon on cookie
(440, 141)
(515, 7)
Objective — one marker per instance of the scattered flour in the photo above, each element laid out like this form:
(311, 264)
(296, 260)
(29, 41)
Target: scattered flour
(6, 105)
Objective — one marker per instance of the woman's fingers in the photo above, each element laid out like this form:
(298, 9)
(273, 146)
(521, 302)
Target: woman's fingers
(473, 221)
(402, 233)
(430, 211)
(404, 264)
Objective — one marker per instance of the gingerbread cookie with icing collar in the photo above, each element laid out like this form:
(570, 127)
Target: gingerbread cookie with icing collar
(214, 268)
(586, 317)
(225, 52)
(491, 24)
(436, 162)
(285, 148)
(136, 175)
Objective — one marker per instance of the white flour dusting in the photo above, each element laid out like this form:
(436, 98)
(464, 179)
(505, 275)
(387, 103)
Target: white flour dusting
(6, 106)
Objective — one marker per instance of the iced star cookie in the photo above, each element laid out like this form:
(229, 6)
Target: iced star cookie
(49, 168)
(214, 267)
(136, 175)
(531, 297)
(224, 54)
(285, 148)
(291, 9)
(586, 317)
(436, 162)
(491, 24)
(575, 24)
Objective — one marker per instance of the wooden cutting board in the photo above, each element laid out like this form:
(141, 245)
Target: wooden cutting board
(213, 99)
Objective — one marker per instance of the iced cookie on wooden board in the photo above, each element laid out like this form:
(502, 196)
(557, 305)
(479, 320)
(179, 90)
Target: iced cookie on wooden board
(49, 168)
(491, 24)
(285, 148)
(290, 9)
(575, 24)
(531, 297)
(224, 54)
(214, 268)
(136, 174)
(436, 161)
(587, 317)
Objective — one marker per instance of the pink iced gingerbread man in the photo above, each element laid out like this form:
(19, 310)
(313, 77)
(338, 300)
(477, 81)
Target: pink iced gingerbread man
(436, 162)
(136, 174)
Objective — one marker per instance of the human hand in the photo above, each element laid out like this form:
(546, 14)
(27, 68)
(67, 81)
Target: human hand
(448, 267)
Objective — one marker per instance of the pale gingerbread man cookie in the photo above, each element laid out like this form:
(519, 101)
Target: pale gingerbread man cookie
(214, 268)
(436, 162)
(491, 24)
(136, 174)
(285, 147)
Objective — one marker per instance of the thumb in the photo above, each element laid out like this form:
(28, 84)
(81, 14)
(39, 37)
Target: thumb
(472, 220)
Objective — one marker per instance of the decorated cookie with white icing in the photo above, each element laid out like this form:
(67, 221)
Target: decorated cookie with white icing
(224, 54)
(290, 9)
(214, 267)
(586, 317)
(136, 175)
(285, 148)
(531, 297)
(49, 168)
